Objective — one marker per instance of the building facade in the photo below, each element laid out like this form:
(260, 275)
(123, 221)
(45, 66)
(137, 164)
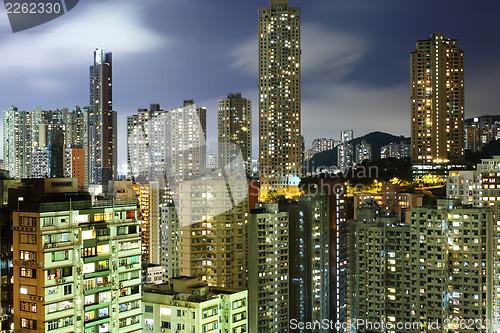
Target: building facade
(320, 145)
(465, 186)
(20, 140)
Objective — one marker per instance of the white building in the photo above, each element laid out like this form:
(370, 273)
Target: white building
(465, 186)
(185, 305)
(170, 143)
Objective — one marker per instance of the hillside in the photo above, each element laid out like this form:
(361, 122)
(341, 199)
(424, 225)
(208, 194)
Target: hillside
(376, 139)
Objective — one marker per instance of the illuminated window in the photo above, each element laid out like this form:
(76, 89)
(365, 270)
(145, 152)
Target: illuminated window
(103, 250)
(88, 234)
(165, 311)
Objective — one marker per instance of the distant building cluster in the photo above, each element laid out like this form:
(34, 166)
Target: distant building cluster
(319, 146)
(396, 150)
(40, 143)
(59, 143)
(481, 131)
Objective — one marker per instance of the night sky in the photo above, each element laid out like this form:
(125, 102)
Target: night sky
(355, 58)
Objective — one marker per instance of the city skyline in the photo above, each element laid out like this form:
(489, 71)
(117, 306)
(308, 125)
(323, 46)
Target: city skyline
(362, 72)
(167, 243)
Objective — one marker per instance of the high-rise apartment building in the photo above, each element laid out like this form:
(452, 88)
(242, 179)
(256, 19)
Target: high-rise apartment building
(102, 152)
(489, 181)
(170, 238)
(77, 264)
(363, 152)
(452, 275)
(156, 201)
(345, 152)
(6, 254)
(437, 94)
(268, 267)
(146, 143)
(235, 127)
(379, 283)
(215, 248)
(77, 128)
(211, 160)
(142, 193)
(280, 153)
(40, 164)
(186, 142)
(168, 144)
(20, 140)
(309, 259)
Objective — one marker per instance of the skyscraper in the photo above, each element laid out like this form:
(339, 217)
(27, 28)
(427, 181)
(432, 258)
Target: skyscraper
(235, 127)
(279, 102)
(102, 154)
(437, 94)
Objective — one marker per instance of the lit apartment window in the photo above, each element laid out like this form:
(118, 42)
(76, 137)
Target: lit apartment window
(28, 272)
(28, 323)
